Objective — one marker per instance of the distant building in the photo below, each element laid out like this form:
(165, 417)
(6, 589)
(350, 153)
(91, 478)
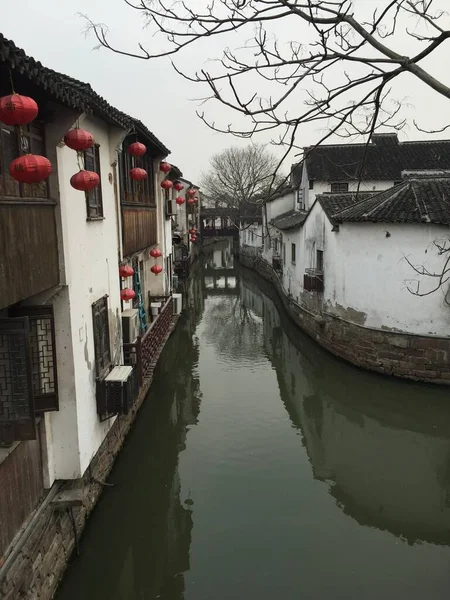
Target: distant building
(340, 256)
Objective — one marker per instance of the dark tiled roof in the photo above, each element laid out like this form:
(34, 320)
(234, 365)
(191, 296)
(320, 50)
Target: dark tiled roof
(333, 203)
(289, 220)
(417, 200)
(71, 92)
(386, 159)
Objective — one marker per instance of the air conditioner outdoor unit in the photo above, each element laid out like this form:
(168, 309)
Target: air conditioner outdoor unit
(177, 304)
(130, 325)
(117, 392)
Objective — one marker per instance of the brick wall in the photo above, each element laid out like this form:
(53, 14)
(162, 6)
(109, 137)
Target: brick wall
(35, 566)
(408, 356)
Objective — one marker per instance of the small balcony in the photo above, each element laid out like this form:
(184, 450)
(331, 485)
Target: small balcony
(144, 352)
(277, 263)
(313, 280)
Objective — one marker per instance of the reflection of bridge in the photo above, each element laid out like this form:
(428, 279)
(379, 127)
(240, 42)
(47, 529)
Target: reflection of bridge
(220, 282)
(218, 222)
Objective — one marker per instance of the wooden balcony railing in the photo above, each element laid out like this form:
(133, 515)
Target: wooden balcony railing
(145, 351)
(313, 281)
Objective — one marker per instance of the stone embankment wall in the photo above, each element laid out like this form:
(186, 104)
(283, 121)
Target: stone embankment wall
(414, 357)
(36, 564)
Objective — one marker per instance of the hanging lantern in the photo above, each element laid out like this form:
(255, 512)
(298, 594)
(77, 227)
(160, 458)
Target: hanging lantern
(17, 110)
(84, 181)
(192, 231)
(137, 149)
(193, 238)
(178, 186)
(165, 167)
(30, 168)
(191, 201)
(179, 200)
(127, 294)
(166, 184)
(126, 271)
(138, 174)
(78, 139)
(190, 192)
(156, 269)
(155, 253)
(196, 199)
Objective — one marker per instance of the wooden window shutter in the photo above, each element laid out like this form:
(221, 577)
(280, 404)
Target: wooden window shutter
(17, 413)
(44, 379)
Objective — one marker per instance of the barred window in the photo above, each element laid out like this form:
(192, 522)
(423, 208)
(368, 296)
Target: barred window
(15, 141)
(100, 323)
(94, 200)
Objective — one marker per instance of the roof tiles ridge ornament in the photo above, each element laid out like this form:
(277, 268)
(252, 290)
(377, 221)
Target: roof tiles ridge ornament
(424, 214)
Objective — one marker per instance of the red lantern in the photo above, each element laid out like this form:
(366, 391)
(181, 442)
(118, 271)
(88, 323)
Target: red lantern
(193, 238)
(137, 149)
(156, 269)
(179, 200)
(166, 184)
(30, 168)
(127, 294)
(78, 139)
(155, 253)
(165, 167)
(190, 193)
(17, 110)
(138, 174)
(178, 186)
(191, 201)
(192, 231)
(84, 181)
(126, 271)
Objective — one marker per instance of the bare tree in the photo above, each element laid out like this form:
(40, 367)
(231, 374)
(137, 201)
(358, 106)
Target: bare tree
(340, 79)
(240, 176)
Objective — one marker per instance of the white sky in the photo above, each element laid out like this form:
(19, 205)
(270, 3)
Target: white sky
(52, 32)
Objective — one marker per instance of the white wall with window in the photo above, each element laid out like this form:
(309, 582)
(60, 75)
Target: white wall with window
(309, 189)
(90, 247)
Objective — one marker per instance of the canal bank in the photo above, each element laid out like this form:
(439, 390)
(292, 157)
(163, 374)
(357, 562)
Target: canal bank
(263, 467)
(390, 352)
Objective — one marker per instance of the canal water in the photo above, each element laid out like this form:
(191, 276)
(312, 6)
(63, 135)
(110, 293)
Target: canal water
(262, 468)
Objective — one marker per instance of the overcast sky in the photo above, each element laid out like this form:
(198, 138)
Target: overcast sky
(52, 32)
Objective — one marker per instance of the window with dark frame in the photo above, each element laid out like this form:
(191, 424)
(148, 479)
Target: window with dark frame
(339, 187)
(311, 184)
(136, 192)
(293, 253)
(94, 200)
(319, 261)
(15, 141)
(100, 323)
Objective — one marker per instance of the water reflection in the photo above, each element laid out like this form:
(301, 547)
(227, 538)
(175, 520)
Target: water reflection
(382, 446)
(262, 467)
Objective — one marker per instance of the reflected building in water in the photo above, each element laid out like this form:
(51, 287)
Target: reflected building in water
(219, 273)
(144, 527)
(363, 432)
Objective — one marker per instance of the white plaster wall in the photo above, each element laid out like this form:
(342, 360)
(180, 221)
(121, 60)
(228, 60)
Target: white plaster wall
(324, 187)
(370, 276)
(251, 235)
(91, 264)
(280, 205)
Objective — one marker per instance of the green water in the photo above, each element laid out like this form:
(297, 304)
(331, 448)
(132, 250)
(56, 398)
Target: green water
(262, 468)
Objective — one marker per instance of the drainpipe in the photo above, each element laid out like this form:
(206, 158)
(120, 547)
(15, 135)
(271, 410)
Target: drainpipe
(118, 211)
